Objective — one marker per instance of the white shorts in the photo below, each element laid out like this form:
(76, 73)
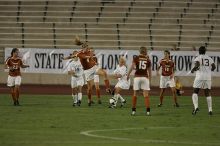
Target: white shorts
(123, 84)
(141, 83)
(89, 73)
(96, 78)
(165, 82)
(202, 84)
(12, 81)
(77, 81)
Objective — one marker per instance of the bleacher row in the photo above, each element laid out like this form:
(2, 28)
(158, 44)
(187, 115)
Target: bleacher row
(110, 24)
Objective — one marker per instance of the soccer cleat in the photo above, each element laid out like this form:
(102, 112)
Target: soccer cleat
(123, 103)
(17, 103)
(176, 105)
(92, 102)
(148, 113)
(79, 102)
(210, 113)
(133, 113)
(195, 111)
(159, 105)
(74, 104)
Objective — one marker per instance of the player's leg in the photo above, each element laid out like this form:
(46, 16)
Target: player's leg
(195, 100)
(172, 84)
(162, 90)
(145, 86)
(80, 83)
(89, 91)
(74, 95)
(118, 96)
(11, 84)
(209, 100)
(79, 95)
(103, 73)
(208, 96)
(163, 86)
(17, 89)
(97, 88)
(136, 87)
(147, 101)
(173, 89)
(196, 87)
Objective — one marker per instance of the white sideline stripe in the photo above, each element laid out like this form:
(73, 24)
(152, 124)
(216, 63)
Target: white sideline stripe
(89, 134)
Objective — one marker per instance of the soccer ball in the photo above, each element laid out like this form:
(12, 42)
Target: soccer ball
(112, 103)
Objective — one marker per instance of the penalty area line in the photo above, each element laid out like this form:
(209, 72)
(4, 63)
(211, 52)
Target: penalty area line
(90, 133)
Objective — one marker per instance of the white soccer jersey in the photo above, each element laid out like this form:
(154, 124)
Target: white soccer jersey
(122, 70)
(77, 67)
(204, 71)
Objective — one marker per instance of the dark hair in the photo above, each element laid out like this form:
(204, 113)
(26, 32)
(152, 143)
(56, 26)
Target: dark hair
(167, 51)
(202, 50)
(143, 50)
(13, 51)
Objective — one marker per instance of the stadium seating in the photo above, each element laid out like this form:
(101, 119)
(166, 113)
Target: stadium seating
(110, 24)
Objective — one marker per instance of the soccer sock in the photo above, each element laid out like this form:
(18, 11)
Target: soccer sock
(209, 102)
(98, 93)
(107, 84)
(134, 102)
(121, 98)
(147, 102)
(116, 98)
(80, 96)
(74, 98)
(195, 100)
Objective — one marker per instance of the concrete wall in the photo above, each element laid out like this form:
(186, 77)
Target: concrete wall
(64, 79)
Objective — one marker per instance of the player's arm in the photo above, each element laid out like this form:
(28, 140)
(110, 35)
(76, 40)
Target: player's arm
(67, 58)
(213, 67)
(149, 73)
(158, 68)
(24, 65)
(130, 70)
(196, 67)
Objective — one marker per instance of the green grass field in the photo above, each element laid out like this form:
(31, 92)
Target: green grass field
(50, 120)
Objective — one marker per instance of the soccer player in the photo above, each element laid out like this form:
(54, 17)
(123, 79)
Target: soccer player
(142, 77)
(203, 67)
(121, 74)
(90, 68)
(167, 77)
(96, 79)
(14, 63)
(75, 69)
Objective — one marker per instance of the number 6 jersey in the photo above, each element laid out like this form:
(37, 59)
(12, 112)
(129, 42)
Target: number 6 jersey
(204, 71)
(142, 63)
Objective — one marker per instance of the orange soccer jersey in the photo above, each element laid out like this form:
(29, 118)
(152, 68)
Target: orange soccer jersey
(86, 61)
(167, 67)
(15, 64)
(142, 63)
